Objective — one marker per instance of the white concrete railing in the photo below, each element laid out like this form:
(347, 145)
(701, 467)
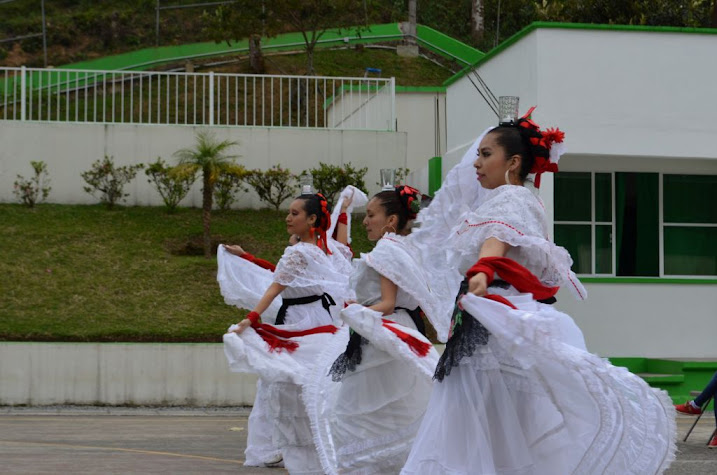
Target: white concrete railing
(153, 97)
(120, 374)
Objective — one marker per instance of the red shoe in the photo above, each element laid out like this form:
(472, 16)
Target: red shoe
(713, 443)
(687, 408)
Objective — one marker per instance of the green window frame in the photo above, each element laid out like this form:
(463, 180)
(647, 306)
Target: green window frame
(688, 225)
(584, 211)
(613, 226)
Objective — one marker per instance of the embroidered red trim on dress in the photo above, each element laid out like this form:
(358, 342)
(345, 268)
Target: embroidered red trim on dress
(492, 222)
(582, 297)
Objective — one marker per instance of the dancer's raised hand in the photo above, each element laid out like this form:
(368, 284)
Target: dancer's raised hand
(235, 249)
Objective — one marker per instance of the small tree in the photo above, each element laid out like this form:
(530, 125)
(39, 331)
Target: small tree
(228, 184)
(34, 190)
(210, 157)
(172, 183)
(274, 186)
(331, 179)
(255, 19)
(108, 181)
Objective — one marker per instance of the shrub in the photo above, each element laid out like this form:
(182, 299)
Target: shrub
(172, 183)
(274, 186)
(108, 181)
(331, 179)
(227, 184)
(34, 190)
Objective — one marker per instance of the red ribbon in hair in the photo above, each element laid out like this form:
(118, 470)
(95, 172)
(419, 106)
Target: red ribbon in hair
(279, 339)
(411, 195)
(545, 139)
(515, 274)
(324, 224)
(421, 348)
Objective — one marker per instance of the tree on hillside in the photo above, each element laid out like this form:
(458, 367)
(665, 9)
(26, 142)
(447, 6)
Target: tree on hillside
(210, 157)
(690, 13)
(256, 19)
(477, 20)
(242, 19)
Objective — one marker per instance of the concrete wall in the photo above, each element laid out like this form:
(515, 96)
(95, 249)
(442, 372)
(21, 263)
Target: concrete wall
(120, 374)
(69, 149)
(422, 116)
(628, 92)
(646, 320)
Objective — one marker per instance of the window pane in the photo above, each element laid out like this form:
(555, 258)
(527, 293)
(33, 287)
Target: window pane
(603, 249)
(637, 222)
(576, 239)
(690, 198)
(603, 197)
(572, 197)
(690, 251)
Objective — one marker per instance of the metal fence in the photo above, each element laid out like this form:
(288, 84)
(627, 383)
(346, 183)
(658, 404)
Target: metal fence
(150, 97)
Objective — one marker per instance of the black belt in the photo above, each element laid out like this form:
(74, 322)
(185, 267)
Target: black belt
(501, 284)
(326, 300)
(416, 317)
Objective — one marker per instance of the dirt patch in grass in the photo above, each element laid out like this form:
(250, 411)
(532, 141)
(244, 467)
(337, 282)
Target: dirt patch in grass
(193, 245)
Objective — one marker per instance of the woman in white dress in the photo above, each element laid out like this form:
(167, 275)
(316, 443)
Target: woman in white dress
(366, 398)
(516, 390)
(307, 278)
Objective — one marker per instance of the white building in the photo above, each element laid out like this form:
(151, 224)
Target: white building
(634, 202)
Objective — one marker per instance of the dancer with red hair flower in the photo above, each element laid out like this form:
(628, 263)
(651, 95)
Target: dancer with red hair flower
(311, 278)
(516, 390)
(370, 388)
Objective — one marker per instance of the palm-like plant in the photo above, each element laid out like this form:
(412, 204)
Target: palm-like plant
(211, 158)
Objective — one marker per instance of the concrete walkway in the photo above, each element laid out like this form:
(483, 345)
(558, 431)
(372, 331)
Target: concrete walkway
(101, 440)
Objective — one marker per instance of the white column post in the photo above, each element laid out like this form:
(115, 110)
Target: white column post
(392, 92)
(23, 93)
(211, 97)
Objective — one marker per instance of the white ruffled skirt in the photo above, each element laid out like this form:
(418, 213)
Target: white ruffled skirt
(278, 422)
(534, 401)
(366, 422)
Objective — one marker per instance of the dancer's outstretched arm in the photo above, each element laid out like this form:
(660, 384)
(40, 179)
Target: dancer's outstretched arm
(268, 297)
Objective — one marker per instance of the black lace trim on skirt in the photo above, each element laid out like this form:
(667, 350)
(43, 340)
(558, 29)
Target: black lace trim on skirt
(466, 335)
(349, 359)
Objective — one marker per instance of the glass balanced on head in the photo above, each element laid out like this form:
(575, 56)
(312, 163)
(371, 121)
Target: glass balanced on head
(516, 148)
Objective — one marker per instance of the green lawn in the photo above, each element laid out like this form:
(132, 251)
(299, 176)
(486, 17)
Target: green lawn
(82, 273)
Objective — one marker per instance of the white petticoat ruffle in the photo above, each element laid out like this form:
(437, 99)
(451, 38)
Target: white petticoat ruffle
(259, 444)
(249, 353)
(281, 410)
(545, 405)
(366, 423)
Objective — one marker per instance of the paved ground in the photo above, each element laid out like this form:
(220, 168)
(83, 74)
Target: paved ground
(80, 440)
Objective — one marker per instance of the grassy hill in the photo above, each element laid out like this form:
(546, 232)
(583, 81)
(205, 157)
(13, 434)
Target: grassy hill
(82, 273)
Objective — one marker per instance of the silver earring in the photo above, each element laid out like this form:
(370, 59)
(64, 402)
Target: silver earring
(507, 177)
